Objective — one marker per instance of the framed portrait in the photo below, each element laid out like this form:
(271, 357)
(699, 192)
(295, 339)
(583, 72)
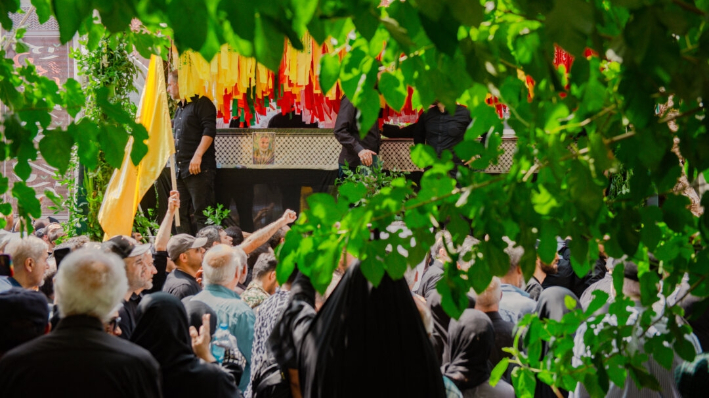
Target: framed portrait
(264, 147)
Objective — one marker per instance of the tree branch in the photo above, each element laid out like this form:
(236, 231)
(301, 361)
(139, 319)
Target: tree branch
(689, 7)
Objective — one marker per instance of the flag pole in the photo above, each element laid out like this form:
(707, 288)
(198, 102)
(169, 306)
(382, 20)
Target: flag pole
(173, 177)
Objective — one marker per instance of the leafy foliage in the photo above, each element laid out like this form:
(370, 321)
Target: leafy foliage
(366, 181)
(216, 216)
(571, 125)
(145, 225)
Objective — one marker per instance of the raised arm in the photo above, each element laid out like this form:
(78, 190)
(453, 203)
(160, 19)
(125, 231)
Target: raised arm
(163, 236)
(262, 236)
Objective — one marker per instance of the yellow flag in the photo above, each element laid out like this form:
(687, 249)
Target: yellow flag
(129, 183)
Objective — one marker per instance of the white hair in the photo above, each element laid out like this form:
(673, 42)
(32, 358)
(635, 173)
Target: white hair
(222, 263)
(22, 249)
(90, 282)
(491, 296)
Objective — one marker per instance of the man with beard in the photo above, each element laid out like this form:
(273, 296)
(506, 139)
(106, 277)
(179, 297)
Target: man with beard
(534, 286)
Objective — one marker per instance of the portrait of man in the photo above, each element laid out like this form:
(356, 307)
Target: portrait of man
(264, 145)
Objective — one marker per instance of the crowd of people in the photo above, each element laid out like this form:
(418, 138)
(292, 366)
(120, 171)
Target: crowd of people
(205, 315)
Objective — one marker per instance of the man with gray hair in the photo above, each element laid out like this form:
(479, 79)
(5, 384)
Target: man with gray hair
(29, 259)
(139, 268)
(223, 267)
(79, 357)
(515, 302)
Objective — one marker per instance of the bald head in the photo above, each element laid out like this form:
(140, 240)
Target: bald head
(223, 265)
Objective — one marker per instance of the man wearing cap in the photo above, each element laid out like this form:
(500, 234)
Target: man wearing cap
(139, 270)
(187, 252)
(25, 316)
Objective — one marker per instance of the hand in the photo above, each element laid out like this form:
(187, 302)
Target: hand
(365, 155)
(195, 164)
(198, 276)
(289, 216)
(201, 340)
(173, 203)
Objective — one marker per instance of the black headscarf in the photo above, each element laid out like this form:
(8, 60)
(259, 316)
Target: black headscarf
(470, 340)
(552, 305)
(163, 330)
(195, 310)
(368, 339)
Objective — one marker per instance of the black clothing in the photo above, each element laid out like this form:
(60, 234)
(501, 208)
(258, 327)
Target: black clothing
(697, 316)
(193, 120)
(160, 263)
(363, 339)
(163, 330)
(552, 305)
(534, 288)
(181, 284)
(471, 339)
(430, 277)
(127, 314)
(566, 277)
(79, 359)
(347, 134)
(441, 130)
(504, 337)
(289, 121)
(196, 191)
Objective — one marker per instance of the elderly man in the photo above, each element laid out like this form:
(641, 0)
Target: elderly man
(29, 259)
(79, 358)
(187, 252)
(139, 269)
(224, 267)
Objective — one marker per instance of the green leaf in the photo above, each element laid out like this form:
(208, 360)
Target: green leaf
(524, 382)
(352, 192)
(367, 103)
(43, 8)
(544, 202)
(443, 32)
(329, 71)
(7, 7)
(70, 14)
(268, 43)
(499, 371)
(468, 12)
(56, 147)
(675, 213)
(27, 203)
(113, 142)
(392, 86)
(73, 96)
(453, 291)
(570, 303)
(189, 35)
(140, 148)
(569, 24)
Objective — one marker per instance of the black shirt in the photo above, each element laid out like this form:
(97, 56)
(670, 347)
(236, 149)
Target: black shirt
(181, 284)
(504, 337)
(127, 313)
(193, 120)
(79, 359)
(441, 130)
(347, 134)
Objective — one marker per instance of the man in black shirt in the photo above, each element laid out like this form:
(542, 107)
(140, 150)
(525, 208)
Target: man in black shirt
(79, 358)
(187, 252)
(195, 126)
(355, 150)
(442, 130)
